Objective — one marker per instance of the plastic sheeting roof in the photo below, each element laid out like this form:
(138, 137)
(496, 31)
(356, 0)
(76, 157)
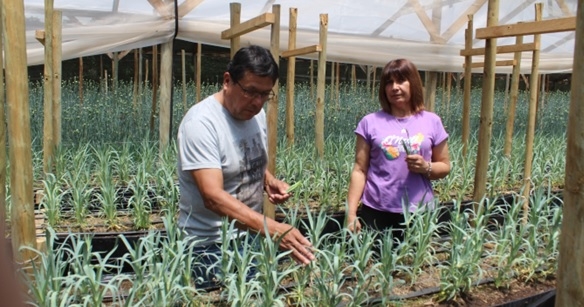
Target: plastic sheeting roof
(429, 32)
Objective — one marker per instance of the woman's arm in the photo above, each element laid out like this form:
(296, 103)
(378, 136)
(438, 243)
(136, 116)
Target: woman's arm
(357, 182)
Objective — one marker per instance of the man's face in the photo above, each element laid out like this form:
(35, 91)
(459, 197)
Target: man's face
(246, 97)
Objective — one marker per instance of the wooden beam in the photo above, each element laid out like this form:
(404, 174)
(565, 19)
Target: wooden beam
(249, 26)
(301, 51)
(460, 21)
(497, 63)
(160, 7)
(500, 49)
(528, 28)
(187, 6)
(427, 22)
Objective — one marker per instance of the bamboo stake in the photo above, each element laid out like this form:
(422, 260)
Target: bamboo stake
(353, 77)
(154, 87)
(373, 83)
(184, 79)
(468, 37)
(530, 133)
(448, 91)
(571, 266)
(20, 151)
(338, 84)
(290, 77)
(311, 71)
(140, 76)
(81, 79)
(198, 78)
(135, 83)
(320, 90)
(332, 77)
(486, 117)
(514, 94)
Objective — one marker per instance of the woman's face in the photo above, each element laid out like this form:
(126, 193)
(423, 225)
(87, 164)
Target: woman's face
(398, 93)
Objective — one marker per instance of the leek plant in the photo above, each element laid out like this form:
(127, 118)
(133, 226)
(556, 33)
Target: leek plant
(140, 203)
(271, 271)
(421, 228)
(46, 278)
(52, 198)
(468, 231)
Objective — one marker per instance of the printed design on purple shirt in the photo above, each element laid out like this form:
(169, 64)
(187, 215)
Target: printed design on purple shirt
(391, 145)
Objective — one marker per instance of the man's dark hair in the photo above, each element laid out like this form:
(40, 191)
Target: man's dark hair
(255, 59)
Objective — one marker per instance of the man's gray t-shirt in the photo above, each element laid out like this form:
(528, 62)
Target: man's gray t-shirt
(209, 137)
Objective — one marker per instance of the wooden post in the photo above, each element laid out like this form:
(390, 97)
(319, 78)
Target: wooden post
(164, 117)
(3, 162)
(570, 288)
(353, 77)
(272, 108)
(57, 73)
(290, 77)
(198, 78)
(235, 19)
(486, 117)
(320, 87)
(333, 94)
(431, 82)
(514, 93)
(184, 79)
(468, 37)
(20, 151)
(530, 133)
(48, 87)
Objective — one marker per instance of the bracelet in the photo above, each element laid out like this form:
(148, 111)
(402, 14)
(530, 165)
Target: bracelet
(429, 170)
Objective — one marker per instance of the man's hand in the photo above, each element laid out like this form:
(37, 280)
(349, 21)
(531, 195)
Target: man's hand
(276, 190)
(294, 241)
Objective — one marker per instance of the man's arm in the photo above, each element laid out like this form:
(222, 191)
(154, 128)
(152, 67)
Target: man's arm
(216, 199)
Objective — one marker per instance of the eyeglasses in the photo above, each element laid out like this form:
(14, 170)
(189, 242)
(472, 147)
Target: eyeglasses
(251, 94)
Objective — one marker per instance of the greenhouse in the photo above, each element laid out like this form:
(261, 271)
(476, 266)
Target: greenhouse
(90, 183)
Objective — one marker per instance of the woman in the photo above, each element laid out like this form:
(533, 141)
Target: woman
(399, 150)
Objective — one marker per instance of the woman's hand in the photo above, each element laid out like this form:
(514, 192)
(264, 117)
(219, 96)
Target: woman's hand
(353, 223)
(417, 164)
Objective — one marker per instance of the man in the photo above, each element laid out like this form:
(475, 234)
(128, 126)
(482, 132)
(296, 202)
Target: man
(222, 160)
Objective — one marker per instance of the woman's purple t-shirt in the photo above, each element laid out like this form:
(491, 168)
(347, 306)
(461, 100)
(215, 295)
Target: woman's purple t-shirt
(389, 182)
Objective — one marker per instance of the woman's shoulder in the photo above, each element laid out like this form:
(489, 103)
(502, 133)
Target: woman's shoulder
(425, 114)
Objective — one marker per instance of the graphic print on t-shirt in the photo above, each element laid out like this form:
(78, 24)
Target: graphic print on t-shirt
(393, 145)
(252, 170)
